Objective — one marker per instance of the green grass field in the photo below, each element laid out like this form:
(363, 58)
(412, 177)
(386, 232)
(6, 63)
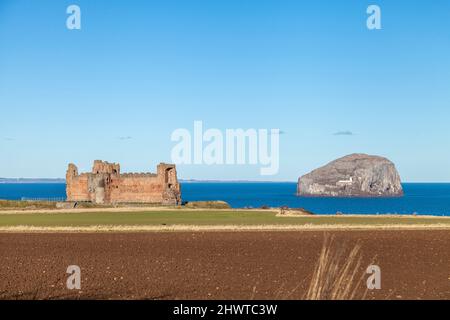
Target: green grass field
(177, 217)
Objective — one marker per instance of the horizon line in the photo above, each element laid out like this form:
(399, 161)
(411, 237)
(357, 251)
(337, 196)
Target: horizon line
(36, 180)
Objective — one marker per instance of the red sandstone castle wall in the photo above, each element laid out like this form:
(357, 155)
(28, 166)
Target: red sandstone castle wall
(137, 189)
(106, 185)
(77, 188)
(76, 185)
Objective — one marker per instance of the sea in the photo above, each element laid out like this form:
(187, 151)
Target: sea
(419, 198)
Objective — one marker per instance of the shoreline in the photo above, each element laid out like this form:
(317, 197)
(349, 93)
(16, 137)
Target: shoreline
(132, 209)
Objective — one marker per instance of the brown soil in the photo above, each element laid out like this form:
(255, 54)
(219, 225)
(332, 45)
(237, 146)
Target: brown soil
(215, 265)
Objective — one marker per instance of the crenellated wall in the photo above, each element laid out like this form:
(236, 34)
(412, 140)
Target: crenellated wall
(105, 185)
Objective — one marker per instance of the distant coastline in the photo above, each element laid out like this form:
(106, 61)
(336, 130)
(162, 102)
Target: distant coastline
(232, 181)
(61, 180)
(31, 180)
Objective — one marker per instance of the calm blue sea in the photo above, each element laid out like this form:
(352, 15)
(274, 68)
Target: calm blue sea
(420, 198)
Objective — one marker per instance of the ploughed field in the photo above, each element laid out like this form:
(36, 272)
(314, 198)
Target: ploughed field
(415, 264)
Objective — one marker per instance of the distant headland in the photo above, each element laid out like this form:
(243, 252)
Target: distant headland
(32, 180)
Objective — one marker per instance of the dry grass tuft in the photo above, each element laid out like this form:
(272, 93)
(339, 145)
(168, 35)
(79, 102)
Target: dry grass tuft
(337, 276)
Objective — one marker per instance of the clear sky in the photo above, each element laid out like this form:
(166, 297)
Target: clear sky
(137, 70)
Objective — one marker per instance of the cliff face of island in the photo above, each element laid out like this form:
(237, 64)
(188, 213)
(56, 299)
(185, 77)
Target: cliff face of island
(355, 175)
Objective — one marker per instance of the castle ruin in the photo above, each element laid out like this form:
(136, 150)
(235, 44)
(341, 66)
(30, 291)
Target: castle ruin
(106, 185)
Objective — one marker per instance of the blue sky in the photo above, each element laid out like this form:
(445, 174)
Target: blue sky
(138, 70)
